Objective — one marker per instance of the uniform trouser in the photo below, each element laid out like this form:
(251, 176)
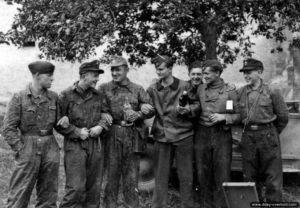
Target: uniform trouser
(37, 163)
(183, 154)
(122, 161)
(83, 167)
(262, 162)
(213, 153)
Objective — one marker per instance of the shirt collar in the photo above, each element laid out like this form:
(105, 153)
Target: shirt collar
(260, 89)
(126, 85)
(79, 90)
(173, 86)
(30, 93)
(219, 83)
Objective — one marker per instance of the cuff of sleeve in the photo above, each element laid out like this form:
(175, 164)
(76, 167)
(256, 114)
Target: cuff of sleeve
(140, 115)
(75, 133)
(104, 125)
(228, 119)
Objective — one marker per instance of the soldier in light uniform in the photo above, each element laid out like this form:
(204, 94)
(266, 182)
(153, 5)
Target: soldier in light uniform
(213, 139)
(264, 115)
(28, 128)
(123, 101)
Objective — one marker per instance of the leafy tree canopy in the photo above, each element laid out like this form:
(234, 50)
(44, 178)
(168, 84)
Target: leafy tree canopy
(185, 29)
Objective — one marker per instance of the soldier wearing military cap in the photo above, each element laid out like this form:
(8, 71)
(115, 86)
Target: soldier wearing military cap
(173, 133)
(31, 116)
(123, 99)
(213, 139)
(264, 115)
(82, 104)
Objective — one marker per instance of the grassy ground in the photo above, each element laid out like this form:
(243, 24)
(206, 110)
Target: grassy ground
(7, 164)
(291, 191)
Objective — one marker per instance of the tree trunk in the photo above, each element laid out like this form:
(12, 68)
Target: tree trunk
(209, 34)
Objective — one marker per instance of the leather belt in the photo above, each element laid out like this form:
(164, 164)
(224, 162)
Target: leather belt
(257, 127)
(122, 123)
(38, 133)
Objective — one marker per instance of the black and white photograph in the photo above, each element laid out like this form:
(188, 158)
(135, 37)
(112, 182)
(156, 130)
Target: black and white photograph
(149, 103)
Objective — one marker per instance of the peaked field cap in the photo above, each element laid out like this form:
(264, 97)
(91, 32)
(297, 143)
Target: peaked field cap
(252, 64)
(118, 61)
(41, 67)
(213, 63)
(92, 66)
(159, 59)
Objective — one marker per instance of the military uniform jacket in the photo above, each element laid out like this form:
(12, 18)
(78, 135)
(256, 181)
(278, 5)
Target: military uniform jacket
(213, 100)
(29, 114)
(169, 126)
(83, 108)
(270, 106)
(115, 95)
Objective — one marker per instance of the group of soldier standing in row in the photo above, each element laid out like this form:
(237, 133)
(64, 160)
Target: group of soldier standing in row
(198, 132)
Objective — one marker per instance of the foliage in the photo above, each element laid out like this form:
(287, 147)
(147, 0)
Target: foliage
(3, 38)
(185, 29)
(296, 40)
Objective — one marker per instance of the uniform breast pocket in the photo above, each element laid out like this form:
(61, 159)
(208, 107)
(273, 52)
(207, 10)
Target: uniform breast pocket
(52, 113)
(265, 104)
(75, 111)
(29, 115)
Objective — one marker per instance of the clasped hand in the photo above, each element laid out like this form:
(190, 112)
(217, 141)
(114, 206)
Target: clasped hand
(183, 110)
(216, 117)
(93, 132)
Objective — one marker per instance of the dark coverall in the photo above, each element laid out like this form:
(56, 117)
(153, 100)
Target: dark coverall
(174, 139)
(83, 158)
(261, 152)
(28, 127)
(122, 161)
(213, 142)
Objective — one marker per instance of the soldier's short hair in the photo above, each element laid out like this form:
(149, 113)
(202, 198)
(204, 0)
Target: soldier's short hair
(214, 64)
(159, 59)
(195, 64)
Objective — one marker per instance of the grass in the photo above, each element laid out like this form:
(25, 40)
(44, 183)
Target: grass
(7, 164)
(291, 193)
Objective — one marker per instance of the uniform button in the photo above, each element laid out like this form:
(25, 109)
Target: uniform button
(39, 153)
(39, 140)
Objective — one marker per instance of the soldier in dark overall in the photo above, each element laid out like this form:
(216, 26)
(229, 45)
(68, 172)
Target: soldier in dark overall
(83, 161)
(213, 139)
(28, 128)
(264, 115)
(123, 100)
(173, 133)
